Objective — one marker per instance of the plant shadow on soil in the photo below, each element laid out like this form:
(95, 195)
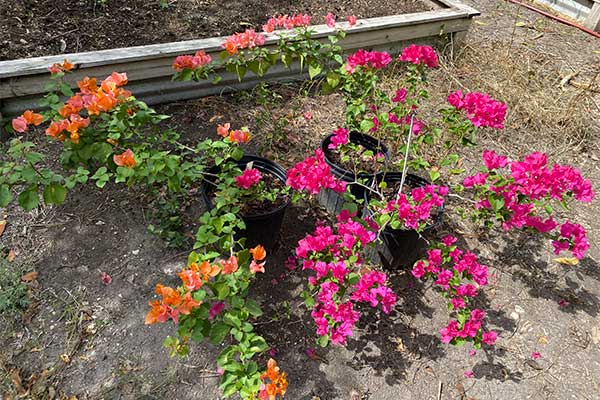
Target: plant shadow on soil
(524, 251)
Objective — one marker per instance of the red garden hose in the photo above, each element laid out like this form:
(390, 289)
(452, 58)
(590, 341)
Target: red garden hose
(559, 19)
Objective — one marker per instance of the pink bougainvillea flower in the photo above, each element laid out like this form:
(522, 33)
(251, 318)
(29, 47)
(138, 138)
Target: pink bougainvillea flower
(19, 124)
(330, 20)
(535, 355)
(417, 55)
(489, 337)
(215, 310)
(400, 95)
(472, 352)
(229, 266)
(480, 108)
(469, 374)
(257, 267)
(314, 174)
(248, 178)
(351, 20)
(367, 59)
(563, 303)
(310, 352)
(340, 137)
(106, 278)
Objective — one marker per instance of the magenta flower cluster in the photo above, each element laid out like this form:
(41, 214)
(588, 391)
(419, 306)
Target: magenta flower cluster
(517, 198)
(364, 58)
(334, 256)
(248, 178)
(418, 55)
(313, 174)
(480, 108)
(459, 276)
(416, 210)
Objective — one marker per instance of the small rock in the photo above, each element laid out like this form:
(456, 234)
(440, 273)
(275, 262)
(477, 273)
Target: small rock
(100, 222)
(514, 315)
(135, 252)
(519, 309)
(23, 41)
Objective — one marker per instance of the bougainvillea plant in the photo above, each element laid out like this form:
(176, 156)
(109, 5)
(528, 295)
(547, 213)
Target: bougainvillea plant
(524, 194)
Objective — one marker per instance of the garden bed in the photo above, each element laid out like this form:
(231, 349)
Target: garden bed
(43, 28)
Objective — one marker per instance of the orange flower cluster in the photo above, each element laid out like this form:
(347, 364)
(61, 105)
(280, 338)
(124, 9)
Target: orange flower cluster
(125, 159)
(277, 385)
(236, 136)
(21, 124)
(173, 303)
(66, 66)
(194, 277)
(93, 99)
(258, 253)
(243, 40)
(191, 62)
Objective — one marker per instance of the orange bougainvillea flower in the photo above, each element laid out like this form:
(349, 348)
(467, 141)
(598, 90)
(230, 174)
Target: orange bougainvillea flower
(241, 136)
(158, 313)
(258, 253)
(33, 118)
(170, 296)
(57, 128)
(191, 279)
(278, 383)
(207, 270)
(88, 85)
(188, 304)
(125, 159)
(223, 130)
(66, 66)
(230, 265)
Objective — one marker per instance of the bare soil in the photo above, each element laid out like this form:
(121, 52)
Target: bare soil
(46, 27)
(86, 339)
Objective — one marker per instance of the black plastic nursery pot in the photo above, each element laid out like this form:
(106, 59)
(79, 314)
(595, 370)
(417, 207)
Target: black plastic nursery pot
(261, 228)
(402, 247)
(334, 201)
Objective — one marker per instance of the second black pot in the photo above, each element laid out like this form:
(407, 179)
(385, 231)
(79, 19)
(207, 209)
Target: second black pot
(402, 247)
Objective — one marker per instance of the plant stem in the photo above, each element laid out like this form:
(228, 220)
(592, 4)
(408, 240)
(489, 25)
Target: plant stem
(405, 166)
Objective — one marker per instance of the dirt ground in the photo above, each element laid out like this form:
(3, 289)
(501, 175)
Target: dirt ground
(46, 27)
(86, 339)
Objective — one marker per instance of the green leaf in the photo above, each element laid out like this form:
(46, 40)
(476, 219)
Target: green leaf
(366, 125)
(323, 341)
(55, 193)
(218, 332)
(29, 199)
(333, 79)
(314, 69)
(5, 195)
(434, 175)
(253, 308)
